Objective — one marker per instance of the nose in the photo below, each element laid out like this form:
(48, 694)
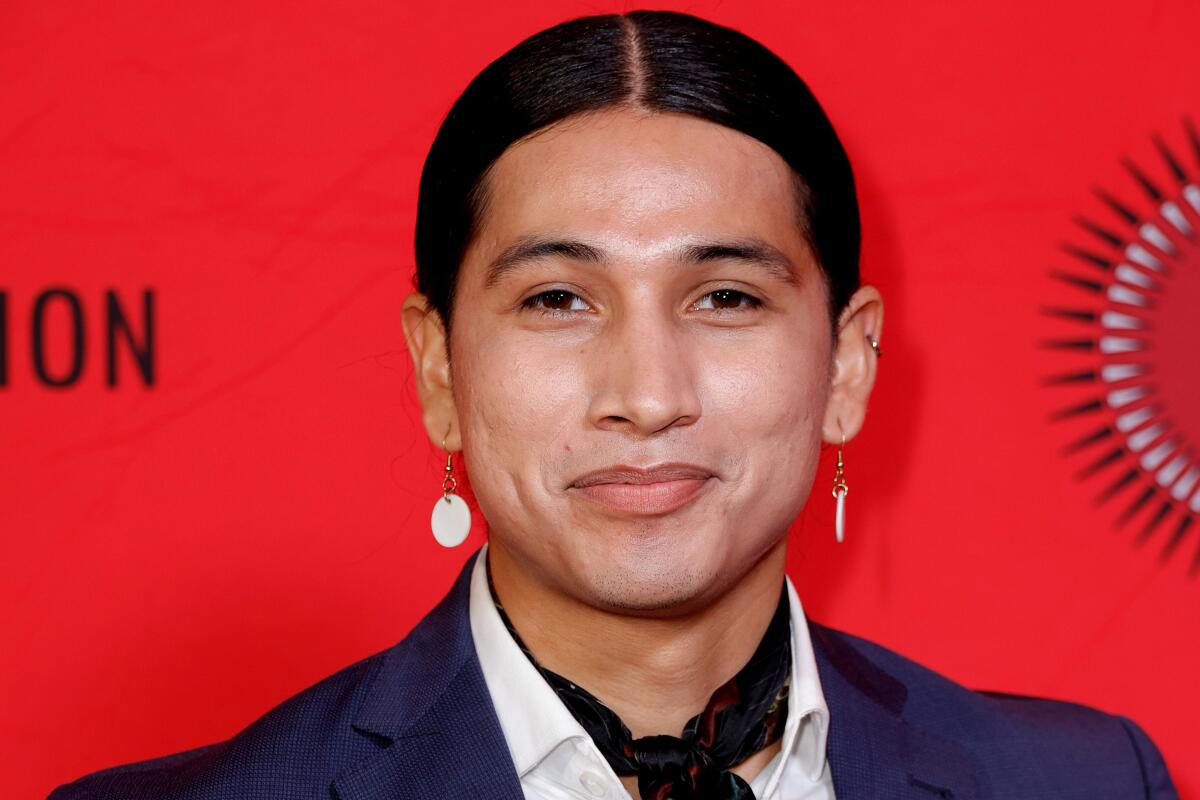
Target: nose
(645, 380)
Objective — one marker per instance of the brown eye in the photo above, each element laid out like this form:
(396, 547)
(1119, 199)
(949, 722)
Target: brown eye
(730, 300)
(553, 301)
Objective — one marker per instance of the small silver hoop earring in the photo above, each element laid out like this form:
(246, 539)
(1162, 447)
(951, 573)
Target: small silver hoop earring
(451, 518)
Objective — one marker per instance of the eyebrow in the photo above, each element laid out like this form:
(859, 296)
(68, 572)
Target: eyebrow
(753, 251)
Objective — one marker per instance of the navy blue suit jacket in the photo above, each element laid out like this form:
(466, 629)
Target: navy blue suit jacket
(415, 722)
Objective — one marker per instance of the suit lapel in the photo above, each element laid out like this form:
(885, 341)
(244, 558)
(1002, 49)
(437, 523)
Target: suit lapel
(874, 752)
(429, 706)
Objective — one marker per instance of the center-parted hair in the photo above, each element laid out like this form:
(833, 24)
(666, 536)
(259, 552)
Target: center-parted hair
(651, 60)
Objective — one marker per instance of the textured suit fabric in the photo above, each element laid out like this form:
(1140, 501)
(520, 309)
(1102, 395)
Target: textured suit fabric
(415, 721)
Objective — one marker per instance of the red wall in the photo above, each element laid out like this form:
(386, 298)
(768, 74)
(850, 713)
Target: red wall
(175, 560)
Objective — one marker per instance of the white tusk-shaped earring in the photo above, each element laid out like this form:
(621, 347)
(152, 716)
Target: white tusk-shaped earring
(839, 491)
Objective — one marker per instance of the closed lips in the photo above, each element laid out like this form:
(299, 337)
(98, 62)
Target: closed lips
(652, 491)
(623, 473)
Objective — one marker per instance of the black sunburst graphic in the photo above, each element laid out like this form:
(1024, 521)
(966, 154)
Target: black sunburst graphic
(1134, 338)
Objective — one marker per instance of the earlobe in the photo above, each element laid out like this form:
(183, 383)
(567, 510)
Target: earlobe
(428, 347)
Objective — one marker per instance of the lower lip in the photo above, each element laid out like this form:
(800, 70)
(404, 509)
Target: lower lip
(646, 498)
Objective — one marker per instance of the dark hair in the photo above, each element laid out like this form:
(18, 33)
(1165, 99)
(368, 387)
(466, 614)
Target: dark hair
(656, 60)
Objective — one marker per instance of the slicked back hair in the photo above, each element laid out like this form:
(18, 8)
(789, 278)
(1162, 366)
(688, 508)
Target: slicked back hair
(649, 60)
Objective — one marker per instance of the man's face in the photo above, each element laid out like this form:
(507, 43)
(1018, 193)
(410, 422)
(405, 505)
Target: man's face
(628, 353)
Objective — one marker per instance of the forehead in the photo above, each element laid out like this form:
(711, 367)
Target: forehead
(641, 177)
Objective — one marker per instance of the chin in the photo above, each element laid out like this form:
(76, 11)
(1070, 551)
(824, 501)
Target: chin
(649, 586)
(645, 602)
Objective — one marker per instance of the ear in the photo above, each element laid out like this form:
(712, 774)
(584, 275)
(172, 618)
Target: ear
(429, 349)
(854, 365)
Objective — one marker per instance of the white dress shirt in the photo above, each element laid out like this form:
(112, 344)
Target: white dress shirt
(555, 757)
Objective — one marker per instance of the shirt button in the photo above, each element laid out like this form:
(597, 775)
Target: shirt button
(591, 781)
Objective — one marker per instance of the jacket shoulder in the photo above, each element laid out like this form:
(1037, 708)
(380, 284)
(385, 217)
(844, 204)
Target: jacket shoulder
(293, 750)
(1050, 741)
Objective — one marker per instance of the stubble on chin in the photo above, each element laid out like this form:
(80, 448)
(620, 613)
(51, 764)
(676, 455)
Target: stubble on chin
(650, 590)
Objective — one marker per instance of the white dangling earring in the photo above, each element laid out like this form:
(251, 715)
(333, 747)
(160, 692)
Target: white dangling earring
(451, 519)
(839, 491)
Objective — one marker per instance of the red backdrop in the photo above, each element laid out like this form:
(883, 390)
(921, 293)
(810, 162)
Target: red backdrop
(176, 559)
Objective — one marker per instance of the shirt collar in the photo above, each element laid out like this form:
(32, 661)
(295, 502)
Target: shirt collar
(806, 729)
(535, 721)
(532, 717)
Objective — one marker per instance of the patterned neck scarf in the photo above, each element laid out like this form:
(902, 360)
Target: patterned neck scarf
(744, 715)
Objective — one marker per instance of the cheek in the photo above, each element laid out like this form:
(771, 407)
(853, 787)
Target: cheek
(769, 400)
(515, 405)
(773, 388)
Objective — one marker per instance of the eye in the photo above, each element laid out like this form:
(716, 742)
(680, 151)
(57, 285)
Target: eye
(729, 300)
(552, 302)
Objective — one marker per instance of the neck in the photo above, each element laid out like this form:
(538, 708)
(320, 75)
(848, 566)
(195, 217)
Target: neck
(655, 673)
